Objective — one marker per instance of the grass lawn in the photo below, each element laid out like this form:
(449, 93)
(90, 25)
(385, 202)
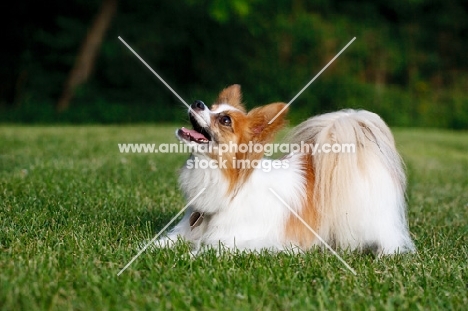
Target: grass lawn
(73, 212)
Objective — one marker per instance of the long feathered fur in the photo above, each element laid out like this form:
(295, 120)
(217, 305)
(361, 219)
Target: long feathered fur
(360, 195)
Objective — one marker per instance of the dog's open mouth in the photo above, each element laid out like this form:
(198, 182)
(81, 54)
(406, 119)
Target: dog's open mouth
(198, 134)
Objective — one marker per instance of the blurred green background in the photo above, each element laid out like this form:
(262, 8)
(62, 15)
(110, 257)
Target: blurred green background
(62, 61)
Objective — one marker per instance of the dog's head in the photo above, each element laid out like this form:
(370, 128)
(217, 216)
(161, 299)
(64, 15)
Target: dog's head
(217, 131)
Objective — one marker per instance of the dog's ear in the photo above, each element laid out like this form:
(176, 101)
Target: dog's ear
(231, 95)
(266, 121)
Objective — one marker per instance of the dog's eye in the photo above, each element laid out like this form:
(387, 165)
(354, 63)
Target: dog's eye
(225, 120)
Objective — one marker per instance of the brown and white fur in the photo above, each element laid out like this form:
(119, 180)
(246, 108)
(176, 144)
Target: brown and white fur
(354, 201)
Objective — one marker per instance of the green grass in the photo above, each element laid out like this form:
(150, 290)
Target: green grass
(73, 211)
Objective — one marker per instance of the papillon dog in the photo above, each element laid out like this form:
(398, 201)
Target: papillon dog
(350, 200)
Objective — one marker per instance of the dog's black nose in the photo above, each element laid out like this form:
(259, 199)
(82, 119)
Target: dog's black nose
(198, 105)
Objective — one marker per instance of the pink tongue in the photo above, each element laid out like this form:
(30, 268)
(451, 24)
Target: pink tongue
(194, 135)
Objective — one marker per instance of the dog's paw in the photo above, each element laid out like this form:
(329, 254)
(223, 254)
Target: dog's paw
(166, 242)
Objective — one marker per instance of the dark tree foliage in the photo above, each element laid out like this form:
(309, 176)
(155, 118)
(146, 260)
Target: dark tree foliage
(408, 63)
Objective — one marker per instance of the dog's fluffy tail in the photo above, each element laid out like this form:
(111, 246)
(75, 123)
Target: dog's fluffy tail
(360, 183)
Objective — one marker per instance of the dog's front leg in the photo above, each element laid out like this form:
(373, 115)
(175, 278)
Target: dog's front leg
(188, 229)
